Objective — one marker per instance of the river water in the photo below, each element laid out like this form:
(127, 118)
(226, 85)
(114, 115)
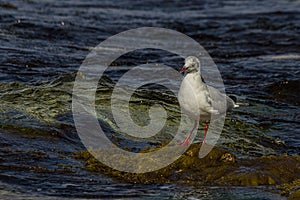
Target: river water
(255, 45)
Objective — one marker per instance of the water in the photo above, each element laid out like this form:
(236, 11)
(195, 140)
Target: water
(255, 45)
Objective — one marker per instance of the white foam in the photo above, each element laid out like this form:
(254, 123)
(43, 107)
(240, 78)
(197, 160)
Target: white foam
(282, 57)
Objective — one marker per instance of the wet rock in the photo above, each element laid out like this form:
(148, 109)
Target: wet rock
(286, 91)
(291, 189)
(219, 167)
(248, 178)
(227, 157)
(295, 195)
(188, 168)
(265, 170)
(8, 6)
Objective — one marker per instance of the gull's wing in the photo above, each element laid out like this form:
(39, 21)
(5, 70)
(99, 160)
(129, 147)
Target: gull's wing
(219, 102)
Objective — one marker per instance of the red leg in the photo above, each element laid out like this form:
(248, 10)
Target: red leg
(205, 131)
(186, 141)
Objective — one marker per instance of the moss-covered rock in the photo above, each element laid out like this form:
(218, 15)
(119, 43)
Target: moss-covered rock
(186, 169)
(286, 91)
(291, 189)
(219, 167)
(265, 170)
(295, 195)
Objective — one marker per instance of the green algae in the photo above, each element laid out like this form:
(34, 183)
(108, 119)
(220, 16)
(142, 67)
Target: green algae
(219, 167)
(251, 139)
(291, 189)
(33, 108)
(182, 170)
(295, 195)
(265, 170)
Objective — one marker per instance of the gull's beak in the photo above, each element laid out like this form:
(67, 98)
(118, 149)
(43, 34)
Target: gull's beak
(182, 69)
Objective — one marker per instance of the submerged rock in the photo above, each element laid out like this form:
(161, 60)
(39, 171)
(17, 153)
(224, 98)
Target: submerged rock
(8, 6)
(286, 91)
(295, 195)
(291, 189)
(188, 168)
(219, 167)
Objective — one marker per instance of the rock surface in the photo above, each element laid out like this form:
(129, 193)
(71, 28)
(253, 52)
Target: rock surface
(219, 167)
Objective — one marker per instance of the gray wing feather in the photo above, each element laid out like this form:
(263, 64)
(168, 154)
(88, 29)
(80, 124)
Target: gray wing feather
(219, 101)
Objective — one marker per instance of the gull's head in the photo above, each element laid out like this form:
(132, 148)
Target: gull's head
(191, 65)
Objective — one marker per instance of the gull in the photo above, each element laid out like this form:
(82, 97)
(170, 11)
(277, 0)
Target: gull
(197, 99)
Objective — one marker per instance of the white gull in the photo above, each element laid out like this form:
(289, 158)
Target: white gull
(199, 99)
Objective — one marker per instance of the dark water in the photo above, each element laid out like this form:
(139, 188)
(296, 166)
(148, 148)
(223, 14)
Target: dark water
(255, 45)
